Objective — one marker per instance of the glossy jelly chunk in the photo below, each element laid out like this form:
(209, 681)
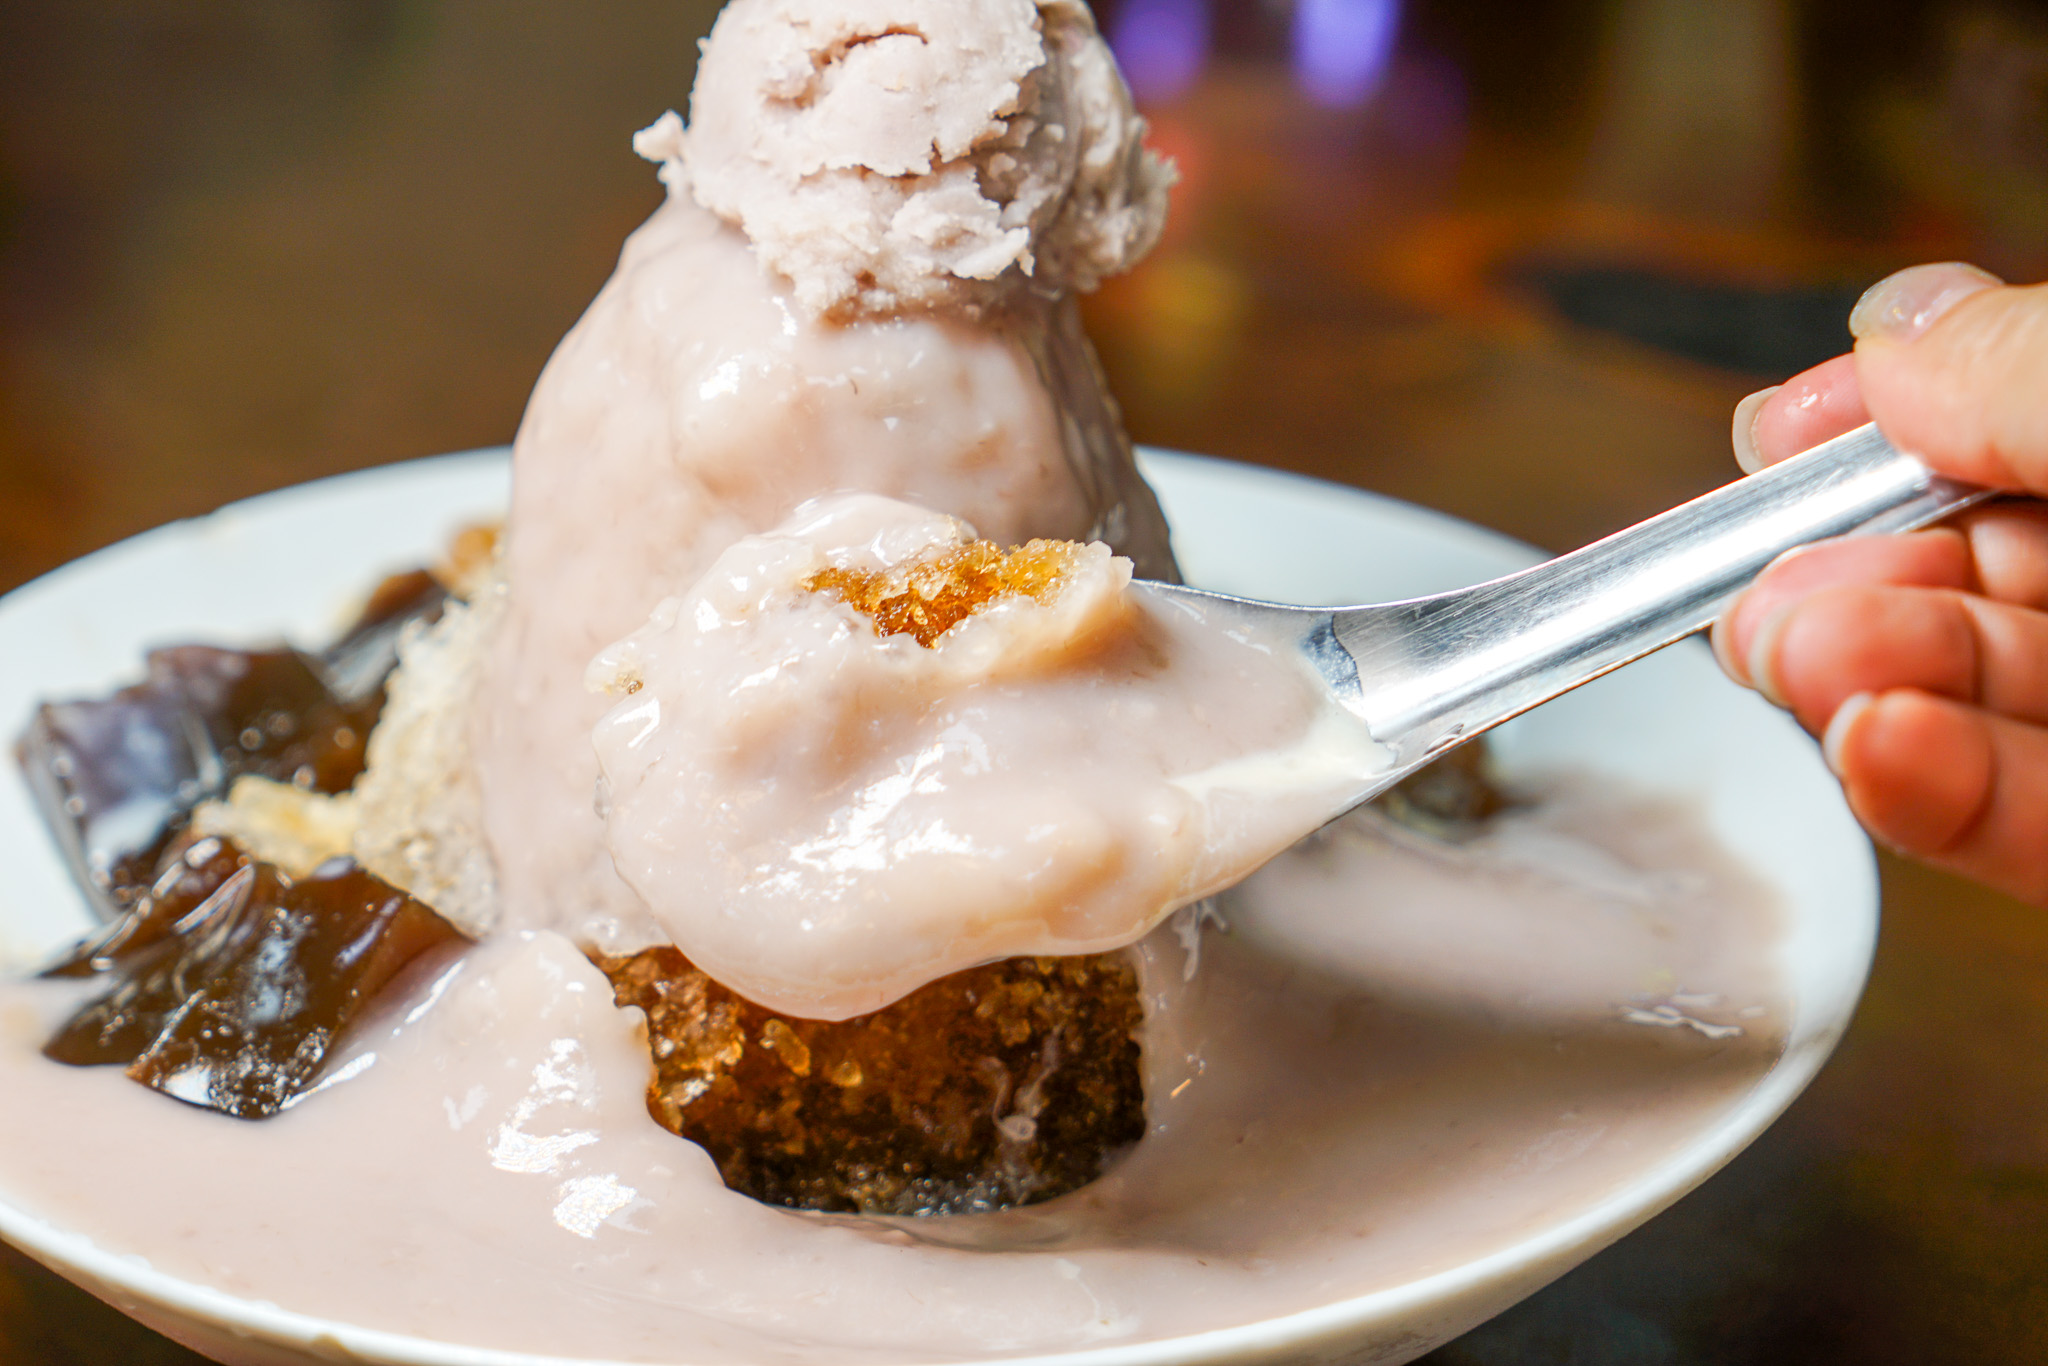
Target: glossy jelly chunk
(269, 712)
(240, 1005)
(356, 666)
(1002, 1085)
(192, 871)
(115, 777)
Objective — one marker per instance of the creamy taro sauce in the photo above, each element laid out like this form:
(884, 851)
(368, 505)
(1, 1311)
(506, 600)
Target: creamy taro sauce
(825, 815)
(695, 403)
(1381, 1056)
(865, 276)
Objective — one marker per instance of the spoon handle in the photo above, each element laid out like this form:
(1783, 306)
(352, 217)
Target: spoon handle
(1439, 669)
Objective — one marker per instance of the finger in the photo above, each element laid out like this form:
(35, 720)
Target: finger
(1851, 639)
(1926, 559)
(1814, 406)
(1948, 784)
(2009, 547)
(1966, 393)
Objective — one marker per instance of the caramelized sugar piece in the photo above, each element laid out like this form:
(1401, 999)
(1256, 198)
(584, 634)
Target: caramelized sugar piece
(1003, 1085)
(238, 1008)
(472, 553)
(928, 596)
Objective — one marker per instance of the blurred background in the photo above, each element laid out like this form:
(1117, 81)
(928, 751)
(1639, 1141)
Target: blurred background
(1514, 260)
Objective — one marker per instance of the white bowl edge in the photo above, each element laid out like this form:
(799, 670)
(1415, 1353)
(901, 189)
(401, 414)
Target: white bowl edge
(1827, 954)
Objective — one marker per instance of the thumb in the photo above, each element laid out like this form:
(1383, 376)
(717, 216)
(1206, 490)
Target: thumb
(1953, 366)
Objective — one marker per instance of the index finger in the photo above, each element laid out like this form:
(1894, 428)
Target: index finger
(1969, 394)
(1813, 406)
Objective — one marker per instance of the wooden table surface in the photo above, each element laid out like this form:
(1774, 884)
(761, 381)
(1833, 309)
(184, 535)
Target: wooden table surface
(1514, 261)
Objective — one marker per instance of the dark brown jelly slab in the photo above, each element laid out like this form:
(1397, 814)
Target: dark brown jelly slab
(270, 713)
(112, 777)
(357, 665)
(193, 870)
(238, 1008)
(115, 777)
(1003, 1085)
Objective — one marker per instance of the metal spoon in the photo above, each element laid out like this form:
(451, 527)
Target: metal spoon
(1428, 673)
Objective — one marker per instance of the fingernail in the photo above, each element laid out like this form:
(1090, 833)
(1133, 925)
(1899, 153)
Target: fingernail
(1763, 654)
(1903, 305)
(1837, 733)
(1746, 413)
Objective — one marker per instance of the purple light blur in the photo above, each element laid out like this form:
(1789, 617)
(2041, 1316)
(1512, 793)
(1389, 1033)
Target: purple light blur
(1342, 48)
(1161, 45)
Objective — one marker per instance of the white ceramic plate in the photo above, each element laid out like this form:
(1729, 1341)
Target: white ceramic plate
(293, 563)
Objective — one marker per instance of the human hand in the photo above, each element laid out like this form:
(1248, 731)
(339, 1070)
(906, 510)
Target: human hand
(1922, 660)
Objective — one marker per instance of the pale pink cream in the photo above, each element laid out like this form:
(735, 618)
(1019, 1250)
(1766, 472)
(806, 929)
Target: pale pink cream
(893, 154)
(860, 281)
(693, 405)
(1319, 1128)
(825, 818)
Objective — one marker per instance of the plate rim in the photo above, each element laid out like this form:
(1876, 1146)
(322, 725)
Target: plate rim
(123, 1278)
